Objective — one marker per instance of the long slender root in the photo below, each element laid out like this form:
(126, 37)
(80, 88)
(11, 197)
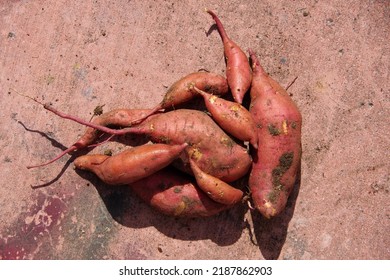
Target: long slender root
(105, 129)
(75, 146)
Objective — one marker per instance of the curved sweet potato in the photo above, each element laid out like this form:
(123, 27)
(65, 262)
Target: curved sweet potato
(130, 165)
(238, 71)
(216, 189)
(176, 194)
(180, 91)
(234, 118)
(277, 160)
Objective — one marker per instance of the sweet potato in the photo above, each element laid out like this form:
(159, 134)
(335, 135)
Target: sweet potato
(180, 92)
(238, 70)
(213, 150)
(217, 154)
(130, 165)
(234, 118)
(175, 194)
(277, 160)
(216, 189)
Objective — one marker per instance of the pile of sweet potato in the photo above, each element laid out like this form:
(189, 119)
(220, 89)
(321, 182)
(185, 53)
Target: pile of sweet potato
(193, 157)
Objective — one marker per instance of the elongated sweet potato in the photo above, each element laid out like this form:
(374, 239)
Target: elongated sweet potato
(216, 189)
(238, 70)
(234, 118)
(276, 162)
(217, 154)
(211, 148)
(130, 165)
(175, 194)
(180, 91)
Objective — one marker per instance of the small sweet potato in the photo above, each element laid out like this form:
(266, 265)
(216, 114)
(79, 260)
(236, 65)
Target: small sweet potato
(216, 189)
(234, 118)
(180, 91)
(175, 194)
(130, 165)
(277, 160)
(238, 71)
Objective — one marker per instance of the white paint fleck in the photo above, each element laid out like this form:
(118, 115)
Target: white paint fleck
(41, 217)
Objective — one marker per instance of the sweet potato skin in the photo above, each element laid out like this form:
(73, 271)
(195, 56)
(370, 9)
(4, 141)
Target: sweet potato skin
(130, 165)
(175, 194)
(277, 160)
(211, 148)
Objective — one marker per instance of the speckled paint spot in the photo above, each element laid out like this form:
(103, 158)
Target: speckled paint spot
(38, 221)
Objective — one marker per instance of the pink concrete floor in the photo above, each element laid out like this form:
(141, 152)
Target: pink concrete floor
(81, 54)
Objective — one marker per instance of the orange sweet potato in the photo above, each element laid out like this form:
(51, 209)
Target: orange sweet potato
(277, 160)
(130, 165)
(238, 70)
(234, 118)
(180, 91)
(175, 194)
(216, 189)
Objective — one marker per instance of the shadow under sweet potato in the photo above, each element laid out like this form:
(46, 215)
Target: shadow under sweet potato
(224, 229)
(126, 208)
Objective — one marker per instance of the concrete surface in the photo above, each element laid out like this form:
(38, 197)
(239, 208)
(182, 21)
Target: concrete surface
(81, 54)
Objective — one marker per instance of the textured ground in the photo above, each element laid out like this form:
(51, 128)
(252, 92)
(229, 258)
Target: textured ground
(81, 54)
